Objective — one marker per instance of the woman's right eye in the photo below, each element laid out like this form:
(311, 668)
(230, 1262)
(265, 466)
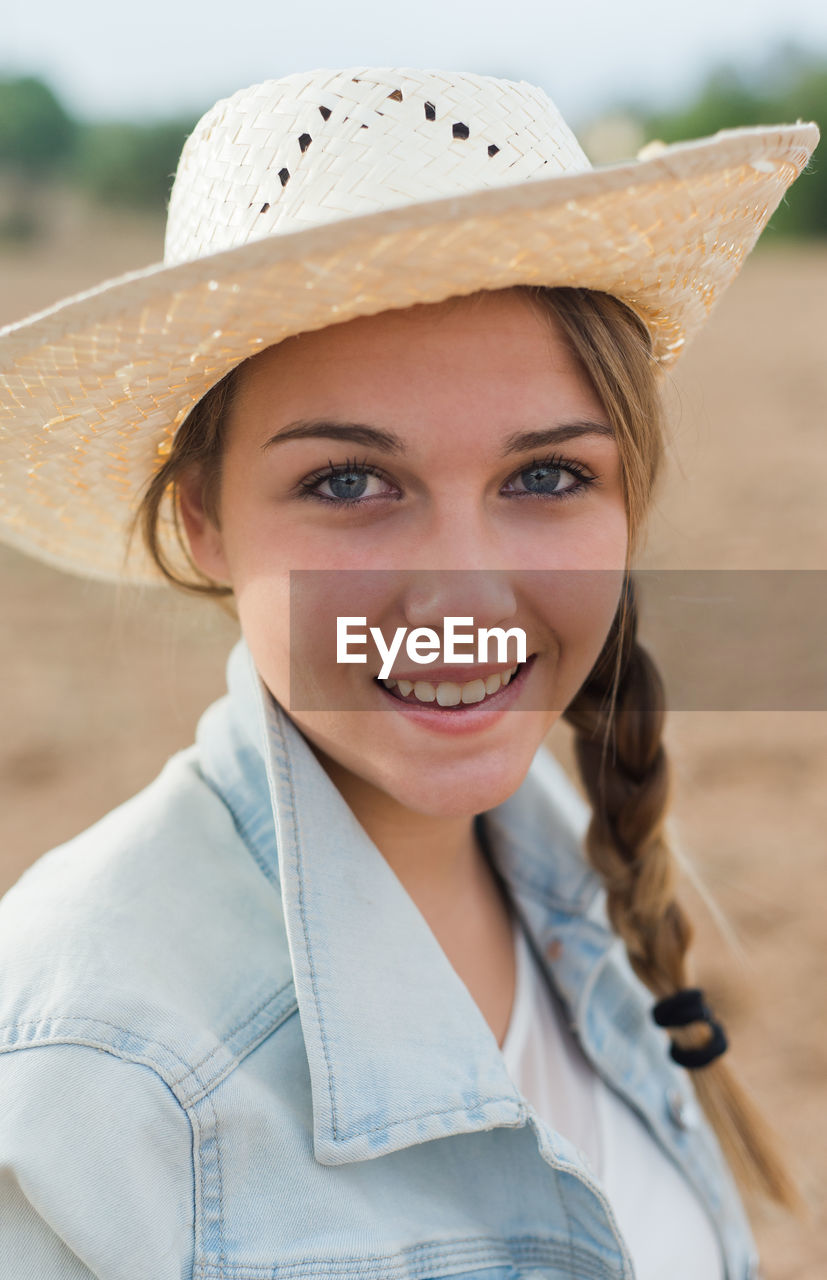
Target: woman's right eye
(347, 482)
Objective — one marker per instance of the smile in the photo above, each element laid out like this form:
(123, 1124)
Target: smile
(449, 694)
(472, 704)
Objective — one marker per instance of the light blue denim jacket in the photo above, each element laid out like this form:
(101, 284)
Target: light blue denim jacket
(232, 1049)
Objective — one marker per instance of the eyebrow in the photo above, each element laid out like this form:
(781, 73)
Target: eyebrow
(388, 442)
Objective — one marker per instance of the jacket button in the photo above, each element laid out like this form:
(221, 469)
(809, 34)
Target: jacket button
(683, 1110)
(554, 949)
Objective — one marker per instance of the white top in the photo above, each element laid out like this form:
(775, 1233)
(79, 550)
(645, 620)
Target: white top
(666, 1229)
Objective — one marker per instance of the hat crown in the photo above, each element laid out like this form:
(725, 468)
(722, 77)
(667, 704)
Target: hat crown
(323, 145)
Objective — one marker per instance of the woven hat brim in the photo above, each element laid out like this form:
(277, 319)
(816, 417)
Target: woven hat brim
(94, 388)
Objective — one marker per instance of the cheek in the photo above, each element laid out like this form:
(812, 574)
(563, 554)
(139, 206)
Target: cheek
(259, 553)
(289, 618)
(579, 606)
(591, 537)
(263, 605)
(601, 540)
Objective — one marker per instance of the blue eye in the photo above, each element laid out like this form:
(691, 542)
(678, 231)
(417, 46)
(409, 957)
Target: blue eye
(347, 481)
(539, 477)
(542, 477)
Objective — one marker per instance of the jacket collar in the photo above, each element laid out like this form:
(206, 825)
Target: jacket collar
(397, 1049)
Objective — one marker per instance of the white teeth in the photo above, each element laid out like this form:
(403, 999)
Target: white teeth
(448, 694)
(474, 691)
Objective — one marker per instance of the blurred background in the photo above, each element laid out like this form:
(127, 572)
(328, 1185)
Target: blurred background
(102, 683)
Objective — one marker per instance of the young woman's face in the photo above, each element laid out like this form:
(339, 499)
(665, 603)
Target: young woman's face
(454, 385)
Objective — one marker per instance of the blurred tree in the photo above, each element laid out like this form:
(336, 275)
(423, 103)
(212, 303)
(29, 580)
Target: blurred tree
(35, 131)
(724, 102)
(804, 211)
(790, 85)
(130, 164)
(37, 136)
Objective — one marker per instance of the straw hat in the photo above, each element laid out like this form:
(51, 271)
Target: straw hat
(325, 195)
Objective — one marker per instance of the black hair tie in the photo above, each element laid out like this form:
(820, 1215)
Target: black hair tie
(679, 1010)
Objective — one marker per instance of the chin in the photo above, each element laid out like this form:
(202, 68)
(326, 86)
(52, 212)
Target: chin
(450, 794)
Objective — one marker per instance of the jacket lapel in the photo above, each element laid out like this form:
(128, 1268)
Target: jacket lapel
(397, 1048)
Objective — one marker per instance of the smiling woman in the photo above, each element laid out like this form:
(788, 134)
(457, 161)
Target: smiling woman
(359, 986)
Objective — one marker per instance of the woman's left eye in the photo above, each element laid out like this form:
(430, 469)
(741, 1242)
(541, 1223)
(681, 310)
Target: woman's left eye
(541, 479)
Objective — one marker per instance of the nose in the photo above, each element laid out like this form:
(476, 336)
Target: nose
(485, 595)
(466, 581)
(468, 578)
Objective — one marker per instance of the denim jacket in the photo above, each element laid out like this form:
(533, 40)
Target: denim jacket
(231, 1047)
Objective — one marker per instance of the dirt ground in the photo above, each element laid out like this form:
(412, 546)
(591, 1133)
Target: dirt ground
(102, 685)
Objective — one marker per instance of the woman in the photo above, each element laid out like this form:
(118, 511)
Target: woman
(359, 986)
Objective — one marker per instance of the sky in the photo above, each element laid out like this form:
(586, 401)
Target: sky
(109, 58)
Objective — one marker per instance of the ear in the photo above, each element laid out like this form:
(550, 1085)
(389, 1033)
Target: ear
(203, 534)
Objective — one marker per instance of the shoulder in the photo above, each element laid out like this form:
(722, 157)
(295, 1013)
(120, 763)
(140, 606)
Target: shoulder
(151, 935)
(74, 1117)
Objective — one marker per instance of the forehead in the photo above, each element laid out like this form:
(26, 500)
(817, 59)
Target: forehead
(491, 339)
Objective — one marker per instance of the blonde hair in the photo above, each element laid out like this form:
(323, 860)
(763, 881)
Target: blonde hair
(617, 715)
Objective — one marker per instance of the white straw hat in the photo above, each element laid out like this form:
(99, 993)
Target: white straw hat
(325, 195)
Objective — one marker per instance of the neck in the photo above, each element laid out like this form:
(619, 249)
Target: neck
(440, 861)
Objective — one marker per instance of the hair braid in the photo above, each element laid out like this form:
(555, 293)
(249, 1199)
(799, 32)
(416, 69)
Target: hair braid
(626, 841)
(622, 703)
